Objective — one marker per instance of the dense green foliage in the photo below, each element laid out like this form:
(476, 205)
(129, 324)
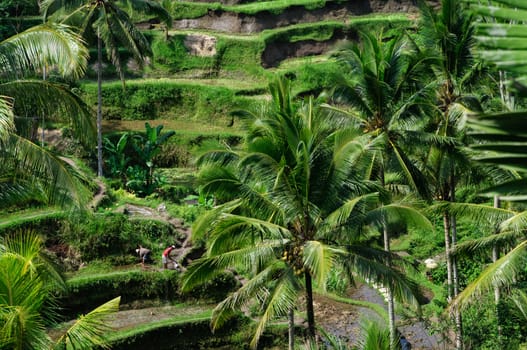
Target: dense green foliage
(402, 105)
(150, 99)
(86, 291)
(114, 235)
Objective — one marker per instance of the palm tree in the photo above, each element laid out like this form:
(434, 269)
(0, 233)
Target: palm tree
(293, 209)
(28, 170)
(27, 280)
(113, 27)
(448, 35)
(382, 100)
(501, 139)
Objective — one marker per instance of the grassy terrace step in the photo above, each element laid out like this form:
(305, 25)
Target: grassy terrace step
(188, 127)
(358, 22)
(187, 10)
(127, 324)
(235, 85)
(133, 324)
(19, 218)
(147, 99)
(192, 10)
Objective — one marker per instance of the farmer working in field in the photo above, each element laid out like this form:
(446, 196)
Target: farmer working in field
(166, 256)
(144, 254)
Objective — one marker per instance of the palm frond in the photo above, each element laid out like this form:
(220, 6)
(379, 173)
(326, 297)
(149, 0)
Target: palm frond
(151, 8)
(6, 117)
(520, 300)
(282, 299)
(516, 223)
(256, 288)
(472, 211)
(400, 212)
(54, 102)
(497, 275)
(57, 178)
(203, 269)
(404, 289)
(341, 216)
(46, 45)
(485, 244)
(319, 260)
(204, 223)
(90, 330)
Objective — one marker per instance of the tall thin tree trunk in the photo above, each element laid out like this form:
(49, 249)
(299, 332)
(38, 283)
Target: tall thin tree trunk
(495, 257)
(99, 105)
(43, 116)
(389, 293)
(455, 275)
(455, 280)
(309, 306)
(291, 329)
(448, 255)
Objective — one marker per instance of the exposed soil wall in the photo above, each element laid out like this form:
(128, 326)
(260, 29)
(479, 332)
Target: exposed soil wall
(278, 51)
(231, 22)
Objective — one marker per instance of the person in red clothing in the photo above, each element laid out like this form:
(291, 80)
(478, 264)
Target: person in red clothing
(166, 257)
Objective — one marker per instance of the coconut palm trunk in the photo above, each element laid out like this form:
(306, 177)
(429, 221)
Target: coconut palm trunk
(389, 296)
(455, 286)
(291, 329)
(99, 105)
(455, 275)
(309, 305)
(448, 255)
(495, 257)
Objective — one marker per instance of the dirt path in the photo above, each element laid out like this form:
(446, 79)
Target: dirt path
(185, 245)
(345, 320)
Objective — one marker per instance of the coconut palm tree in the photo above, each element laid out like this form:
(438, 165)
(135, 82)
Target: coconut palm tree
(501, 139)
(113, 28)
(29, 171)
(448, 35)
(27, 283)
(294, 208)
(378, 92)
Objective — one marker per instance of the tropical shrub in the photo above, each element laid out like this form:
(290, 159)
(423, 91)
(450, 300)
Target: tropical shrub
(113, 234)
(146, 100)
(86, 291)
(174, 56)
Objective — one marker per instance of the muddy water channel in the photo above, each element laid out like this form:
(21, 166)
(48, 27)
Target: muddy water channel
(345, 320)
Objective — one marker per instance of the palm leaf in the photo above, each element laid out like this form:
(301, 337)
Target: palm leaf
(485, 244)
(62, 185)
(55, 102)
(46, 45)
(399, 212)
(403, 288)
(203, 269)
(90, 330)
(6, 118)
(319, 260)
(520, 300)
(282, 299)
(497, 275)
(472, 211)
(256, 288)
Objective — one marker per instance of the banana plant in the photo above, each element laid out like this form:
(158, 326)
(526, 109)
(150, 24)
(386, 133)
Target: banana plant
(148, 147)
(117, 160)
